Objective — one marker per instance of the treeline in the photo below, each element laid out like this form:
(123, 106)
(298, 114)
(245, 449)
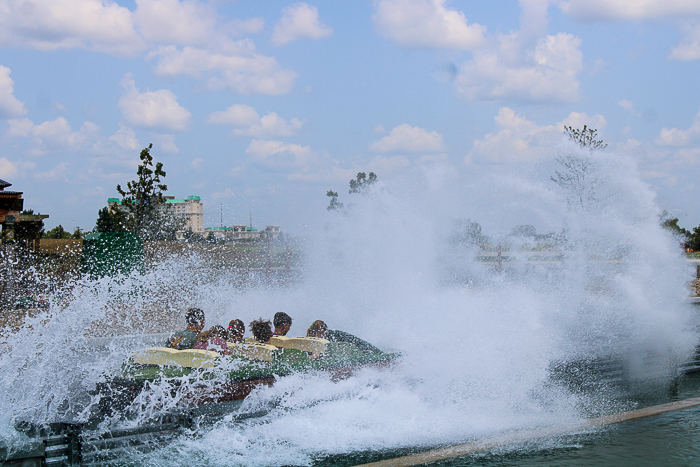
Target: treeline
(689, 238)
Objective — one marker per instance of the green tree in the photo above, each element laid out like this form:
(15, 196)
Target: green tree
(694, 241)
(334, 204)
(142, 199)
(585, 138)
(578, 175)
(359, 184)
(193, 237)
(57, 232)
(467, 232)
(111, 220)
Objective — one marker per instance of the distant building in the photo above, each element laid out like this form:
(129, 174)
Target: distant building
(244, 232)
(191, 209)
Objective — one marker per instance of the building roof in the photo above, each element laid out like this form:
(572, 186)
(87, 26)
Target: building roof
(168, 201)
(4, 184)
(194, 198)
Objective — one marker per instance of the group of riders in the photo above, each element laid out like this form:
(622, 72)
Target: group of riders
(217, 338)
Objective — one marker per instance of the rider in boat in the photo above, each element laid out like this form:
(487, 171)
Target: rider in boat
(320, 329)
(213, 339)
(236, 331)
(185, 339)
(262, 331)
(282, 323)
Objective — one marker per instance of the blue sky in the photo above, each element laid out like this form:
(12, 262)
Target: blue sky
(263, 106)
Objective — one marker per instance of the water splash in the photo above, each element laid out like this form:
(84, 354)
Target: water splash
(479, 336)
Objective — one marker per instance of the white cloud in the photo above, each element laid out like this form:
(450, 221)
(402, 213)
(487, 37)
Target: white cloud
(299, 21)
(165, 143)
(521, 140)
(426, 24)
(247, 122)
(234, 65)
(10, 106)
(689, 46)
(8, 169)
(196, 163)
(152, 109)
(185, 37)
(19, 128)
(629, 106)
(676, 137)
(57, 135)
(277, 155)
(239, 27)
(55, 173)
(125, 138)
(175, 22)
(379, 129)
(98, 25)
(548, 72)
(579, 119)
(405, 138)
(592, 10)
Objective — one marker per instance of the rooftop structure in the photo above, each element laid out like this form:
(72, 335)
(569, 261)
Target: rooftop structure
(25, 229)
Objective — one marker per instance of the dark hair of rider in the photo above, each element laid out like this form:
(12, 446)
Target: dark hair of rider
(281, 319)
(194, 317)
(317, 329)
(261, 330)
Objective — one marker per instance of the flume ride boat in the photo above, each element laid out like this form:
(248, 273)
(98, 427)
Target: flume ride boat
(194, 377)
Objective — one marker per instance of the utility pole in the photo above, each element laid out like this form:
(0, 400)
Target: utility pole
(222, 215)
(251, 221)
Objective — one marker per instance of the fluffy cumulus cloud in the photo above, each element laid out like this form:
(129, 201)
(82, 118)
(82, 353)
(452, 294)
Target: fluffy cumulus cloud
(233, 65)
(299, 21)
(689, 46)
(58, 171)
(10, 106)
(547, 72)
(8, 169)
(280, 156)
(125, 138)
(426, 24)
(677, 137)
(185, 37)
(53, 135)
(518, 139)
(157, 110)
(246, 122)
(595, 10)
(99, 25)
(407, 138)
(172, 21)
